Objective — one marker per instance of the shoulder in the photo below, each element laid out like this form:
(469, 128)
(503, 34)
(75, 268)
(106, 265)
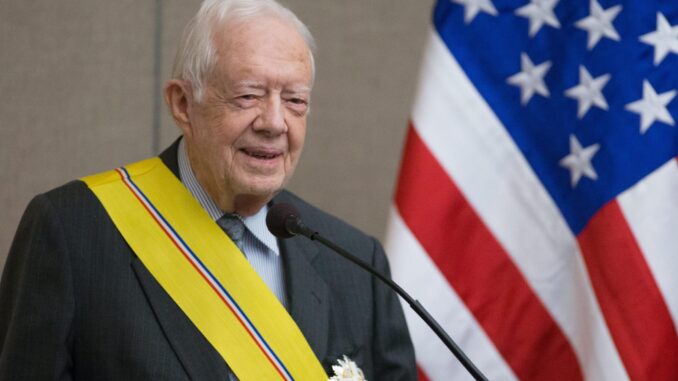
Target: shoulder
(75, 196)
(69, 199)
(72, 214)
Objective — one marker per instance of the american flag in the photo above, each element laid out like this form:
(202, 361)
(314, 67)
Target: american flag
(536, 211)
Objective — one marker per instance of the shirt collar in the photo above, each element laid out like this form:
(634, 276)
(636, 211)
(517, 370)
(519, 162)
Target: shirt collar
(256, 223)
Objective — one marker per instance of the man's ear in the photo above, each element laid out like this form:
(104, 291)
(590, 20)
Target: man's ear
(179, 98)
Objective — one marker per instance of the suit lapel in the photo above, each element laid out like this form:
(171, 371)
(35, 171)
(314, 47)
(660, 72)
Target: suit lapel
(200, 360)
(308, 293)
(170, 158)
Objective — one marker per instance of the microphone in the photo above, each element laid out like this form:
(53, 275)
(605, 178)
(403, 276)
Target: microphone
(283, 221)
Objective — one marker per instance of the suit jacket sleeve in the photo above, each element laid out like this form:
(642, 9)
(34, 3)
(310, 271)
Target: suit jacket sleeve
(36, 299)
(392, 346)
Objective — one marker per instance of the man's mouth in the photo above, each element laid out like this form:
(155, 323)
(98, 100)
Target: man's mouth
(264, 154)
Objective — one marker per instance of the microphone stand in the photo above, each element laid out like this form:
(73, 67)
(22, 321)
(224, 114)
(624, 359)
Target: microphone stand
(294, 226)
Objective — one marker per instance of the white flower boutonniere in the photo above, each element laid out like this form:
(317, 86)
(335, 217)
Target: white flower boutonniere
(347, 370)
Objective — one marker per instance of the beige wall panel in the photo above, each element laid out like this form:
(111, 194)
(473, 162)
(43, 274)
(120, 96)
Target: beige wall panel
(175, 15)
(77, 94)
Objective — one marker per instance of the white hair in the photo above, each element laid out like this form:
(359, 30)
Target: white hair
(196, 55)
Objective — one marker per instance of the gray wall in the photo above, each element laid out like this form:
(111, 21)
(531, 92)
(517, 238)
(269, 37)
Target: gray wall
(81, 79)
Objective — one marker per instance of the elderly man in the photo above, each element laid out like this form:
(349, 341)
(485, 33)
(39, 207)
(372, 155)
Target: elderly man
(126, 276)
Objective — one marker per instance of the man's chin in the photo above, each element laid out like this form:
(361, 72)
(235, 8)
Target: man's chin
(257, 188)
(257, 194)
(262, 185)
(250, 203)
(265, 188)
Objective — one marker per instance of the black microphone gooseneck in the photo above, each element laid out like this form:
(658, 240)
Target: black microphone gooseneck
(284, 222)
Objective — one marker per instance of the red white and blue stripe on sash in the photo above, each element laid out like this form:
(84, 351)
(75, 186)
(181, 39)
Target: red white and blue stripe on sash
(205, 273)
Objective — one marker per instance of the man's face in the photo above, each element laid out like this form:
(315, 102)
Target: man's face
(247, 134)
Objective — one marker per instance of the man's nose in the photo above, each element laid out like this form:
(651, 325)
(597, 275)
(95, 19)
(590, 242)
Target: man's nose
(272, 117)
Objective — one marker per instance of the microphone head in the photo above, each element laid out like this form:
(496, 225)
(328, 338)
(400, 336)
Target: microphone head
(278, 217)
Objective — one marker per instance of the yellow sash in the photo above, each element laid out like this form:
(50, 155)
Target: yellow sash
(205, 273)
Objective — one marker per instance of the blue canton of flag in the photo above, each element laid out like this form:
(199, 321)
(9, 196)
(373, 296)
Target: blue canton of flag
(595, 115)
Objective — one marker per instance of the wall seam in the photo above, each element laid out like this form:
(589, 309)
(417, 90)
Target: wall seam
(157, 78)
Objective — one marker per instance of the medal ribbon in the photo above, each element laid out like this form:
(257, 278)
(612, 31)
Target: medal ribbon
(205, 273)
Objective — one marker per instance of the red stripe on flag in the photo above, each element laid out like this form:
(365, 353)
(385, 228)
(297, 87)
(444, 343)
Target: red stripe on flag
(479, 269)
(634, 309)
(421, 375)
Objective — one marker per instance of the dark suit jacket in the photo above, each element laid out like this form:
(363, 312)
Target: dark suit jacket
(77, 303)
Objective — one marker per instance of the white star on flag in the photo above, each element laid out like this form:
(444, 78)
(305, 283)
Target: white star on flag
(472, 7)
(589, 92)
(599, 23)
(539, 12)
(530, 79)
(652, 107)
(664, 39)
(579, 161)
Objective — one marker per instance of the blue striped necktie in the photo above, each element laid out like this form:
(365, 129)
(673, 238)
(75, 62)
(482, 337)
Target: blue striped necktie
(233, 226)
